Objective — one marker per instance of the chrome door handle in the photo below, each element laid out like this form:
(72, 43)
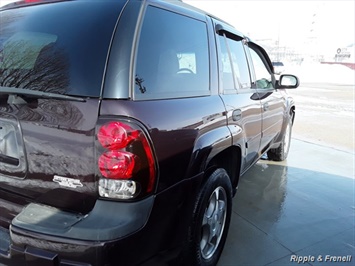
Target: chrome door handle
(237, 114)
(265, 106)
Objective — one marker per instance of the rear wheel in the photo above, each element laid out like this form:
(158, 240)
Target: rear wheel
(281, 152)
(211, 218)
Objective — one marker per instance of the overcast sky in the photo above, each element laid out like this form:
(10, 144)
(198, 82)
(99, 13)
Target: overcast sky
(293, 22)
(330, 23)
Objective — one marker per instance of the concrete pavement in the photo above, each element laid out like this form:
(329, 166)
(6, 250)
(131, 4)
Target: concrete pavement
(301, 211)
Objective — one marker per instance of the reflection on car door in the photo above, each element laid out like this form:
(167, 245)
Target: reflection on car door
(272, 102)
(243, 108)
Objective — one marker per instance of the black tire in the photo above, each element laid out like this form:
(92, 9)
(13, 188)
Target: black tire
(281, 152)
(211, 218)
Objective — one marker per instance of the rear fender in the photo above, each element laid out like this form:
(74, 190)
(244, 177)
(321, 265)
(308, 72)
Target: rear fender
(206, 147)
(289, 113)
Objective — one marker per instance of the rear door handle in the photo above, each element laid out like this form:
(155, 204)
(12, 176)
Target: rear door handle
(265, 106)
(237, 114)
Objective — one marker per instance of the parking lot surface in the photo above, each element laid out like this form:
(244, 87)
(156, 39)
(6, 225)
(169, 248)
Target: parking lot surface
(325, 114)
(297, 212)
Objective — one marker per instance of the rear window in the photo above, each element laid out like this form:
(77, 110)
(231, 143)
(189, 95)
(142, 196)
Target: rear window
(57, 47)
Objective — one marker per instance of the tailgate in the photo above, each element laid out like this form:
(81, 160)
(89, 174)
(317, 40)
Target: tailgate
(52, 62)
(47, 154)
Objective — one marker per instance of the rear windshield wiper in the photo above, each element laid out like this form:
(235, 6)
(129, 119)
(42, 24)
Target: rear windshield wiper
(39, 94)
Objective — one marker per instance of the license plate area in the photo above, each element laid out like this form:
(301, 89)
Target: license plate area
(12, 157)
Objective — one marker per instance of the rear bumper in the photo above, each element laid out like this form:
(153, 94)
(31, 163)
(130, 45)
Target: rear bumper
(45, 235)
(107, 221)
(30, 249)
(106, 236)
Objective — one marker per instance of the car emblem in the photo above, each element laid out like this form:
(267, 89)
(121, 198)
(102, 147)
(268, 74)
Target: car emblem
(67, 182)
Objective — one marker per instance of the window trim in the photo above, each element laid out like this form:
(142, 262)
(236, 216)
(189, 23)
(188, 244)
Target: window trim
(223, 30)
(235, 78)
(266, 61)
(237, 84)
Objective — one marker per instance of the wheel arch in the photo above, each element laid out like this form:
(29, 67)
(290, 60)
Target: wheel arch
(215, 150)
(293, 113)
(230, 160)
(289, 113)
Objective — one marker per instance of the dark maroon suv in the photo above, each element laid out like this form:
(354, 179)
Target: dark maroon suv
(124, 129)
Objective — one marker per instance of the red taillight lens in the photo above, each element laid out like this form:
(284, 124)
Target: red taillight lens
(116, 135)
(117, 164)
(126, 158)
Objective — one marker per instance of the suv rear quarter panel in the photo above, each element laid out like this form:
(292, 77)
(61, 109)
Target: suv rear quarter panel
(175, 126)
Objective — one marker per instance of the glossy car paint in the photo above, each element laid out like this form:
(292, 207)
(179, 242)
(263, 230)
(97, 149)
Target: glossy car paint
(58, 139)
(188, 136)
(175, 133)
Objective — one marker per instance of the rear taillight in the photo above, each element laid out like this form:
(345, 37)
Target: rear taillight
(125, 160)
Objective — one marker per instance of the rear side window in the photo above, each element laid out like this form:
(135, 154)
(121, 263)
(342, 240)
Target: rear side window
(173, 56)
(57, 47)
(234, 65)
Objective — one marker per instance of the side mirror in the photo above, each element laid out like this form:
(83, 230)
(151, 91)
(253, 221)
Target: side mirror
(288, 82)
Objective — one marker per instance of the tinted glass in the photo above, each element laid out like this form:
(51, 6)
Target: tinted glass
(173, 58)
(226, 66)
(240, 64)
(263, 77)
(58, 47)
(234, 64)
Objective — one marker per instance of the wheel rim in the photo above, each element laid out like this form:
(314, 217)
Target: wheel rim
(287, 138)
(213, 222)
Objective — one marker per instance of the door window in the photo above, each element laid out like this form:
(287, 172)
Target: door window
(262, 75)
(235, 69)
